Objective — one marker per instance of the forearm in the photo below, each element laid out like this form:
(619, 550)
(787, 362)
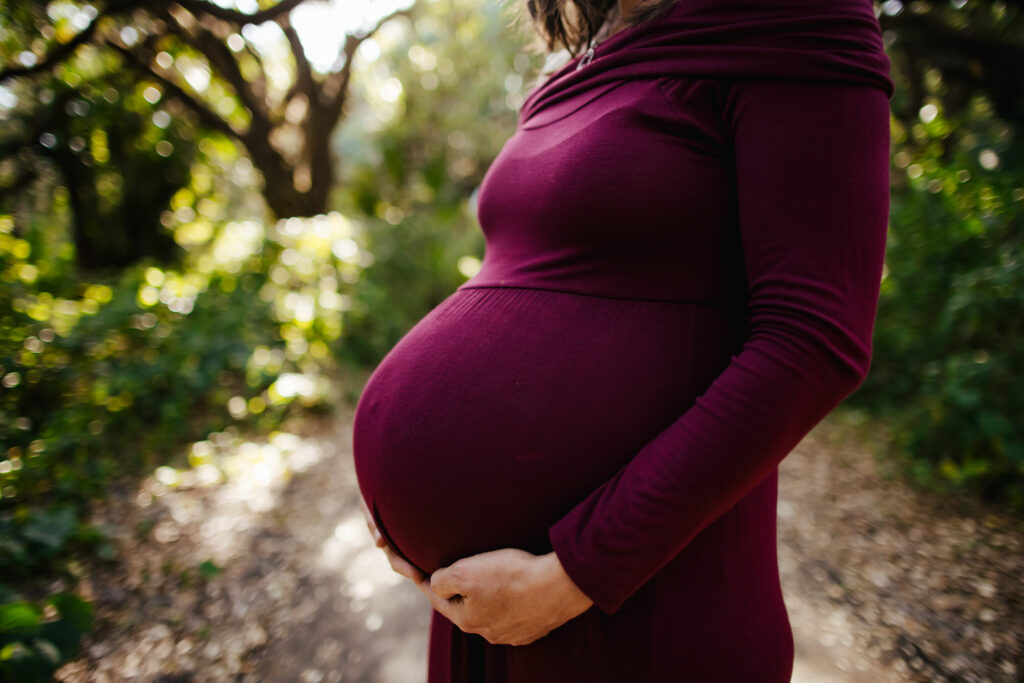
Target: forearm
(694, 471)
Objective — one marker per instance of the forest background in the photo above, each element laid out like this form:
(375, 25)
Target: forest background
(214, 216)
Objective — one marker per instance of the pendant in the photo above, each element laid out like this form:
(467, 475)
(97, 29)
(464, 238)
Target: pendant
(588, 56)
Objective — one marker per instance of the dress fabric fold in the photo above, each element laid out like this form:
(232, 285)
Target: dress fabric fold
(810, 40)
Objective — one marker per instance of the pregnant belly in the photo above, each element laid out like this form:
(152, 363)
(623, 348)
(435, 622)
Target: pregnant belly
(504, 407)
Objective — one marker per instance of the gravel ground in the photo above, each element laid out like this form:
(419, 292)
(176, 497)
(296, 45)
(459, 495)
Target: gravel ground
(256, 566)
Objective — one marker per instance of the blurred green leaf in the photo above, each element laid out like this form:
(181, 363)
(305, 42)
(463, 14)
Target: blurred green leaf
(75, 620)
(18, 620)
(51, 528)
(208, 569)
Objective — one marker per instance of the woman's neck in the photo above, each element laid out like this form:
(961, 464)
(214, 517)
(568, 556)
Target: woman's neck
(615, 22)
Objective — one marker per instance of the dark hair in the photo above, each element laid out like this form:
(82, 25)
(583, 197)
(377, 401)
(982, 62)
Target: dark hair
(573, 23)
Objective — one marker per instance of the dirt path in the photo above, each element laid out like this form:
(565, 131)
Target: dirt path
(270, 575)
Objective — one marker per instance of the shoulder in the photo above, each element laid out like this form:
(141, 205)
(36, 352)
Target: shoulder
(554, 62)
(689, 93)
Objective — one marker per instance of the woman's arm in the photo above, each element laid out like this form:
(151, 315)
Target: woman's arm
(812, 175)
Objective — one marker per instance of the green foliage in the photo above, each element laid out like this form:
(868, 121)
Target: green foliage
(948, 367)
(33, 540)
(36, 639)
(208, 569)
(104, 385)
(112, 159)
(115, 380)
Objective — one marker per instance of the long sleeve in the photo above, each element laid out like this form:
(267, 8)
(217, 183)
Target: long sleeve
(812, 186)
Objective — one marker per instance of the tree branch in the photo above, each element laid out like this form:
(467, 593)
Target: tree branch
(205, 114)
(259, 85)
(64, 50)
(303, 71)
(979, 59)
(933, 32)
(336, 85)
(222, 61)
(236, 17)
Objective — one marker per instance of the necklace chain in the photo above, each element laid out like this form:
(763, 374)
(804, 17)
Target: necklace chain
(588, 56)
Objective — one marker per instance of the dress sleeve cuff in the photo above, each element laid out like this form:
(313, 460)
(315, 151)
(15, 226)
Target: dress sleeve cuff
(593, 585)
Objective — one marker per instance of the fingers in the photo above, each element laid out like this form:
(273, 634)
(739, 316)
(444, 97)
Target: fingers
(453, 610)
(450, 581)
(371, 525)
(424, 587)
(402, 567)
(529, 639)
(445, 590)
(398, 564)
(366, 511)
(441, 605)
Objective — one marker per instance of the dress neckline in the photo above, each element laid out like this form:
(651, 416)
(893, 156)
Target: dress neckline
(573, 65)
(798, 40)
(588, 55)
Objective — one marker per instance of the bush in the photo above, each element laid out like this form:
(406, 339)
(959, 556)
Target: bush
(36, 639)
(100, 385)
(948, 369)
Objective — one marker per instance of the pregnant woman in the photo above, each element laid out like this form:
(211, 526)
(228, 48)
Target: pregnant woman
(575, 454)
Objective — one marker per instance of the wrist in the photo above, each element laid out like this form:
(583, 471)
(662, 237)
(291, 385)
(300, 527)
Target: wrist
(574, 600)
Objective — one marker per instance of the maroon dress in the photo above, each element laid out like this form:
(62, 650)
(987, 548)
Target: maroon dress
(684, 245)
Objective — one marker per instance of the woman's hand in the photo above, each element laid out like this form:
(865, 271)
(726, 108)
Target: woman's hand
(508, 596)
(397, 563)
